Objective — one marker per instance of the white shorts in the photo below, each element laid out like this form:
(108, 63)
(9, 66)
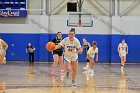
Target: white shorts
(123, 54)
(70, 59)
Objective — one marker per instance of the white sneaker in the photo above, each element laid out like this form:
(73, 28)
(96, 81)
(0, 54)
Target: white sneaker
(4, 60)
(73, 83)
(85, 68)
(122, 68)
(87, 78)
(91, 72)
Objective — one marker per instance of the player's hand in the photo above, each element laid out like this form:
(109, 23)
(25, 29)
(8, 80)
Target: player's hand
(96, 61)
(120, 53)
(91, 57)
(126, 52)
(73, 51)
(51, 50)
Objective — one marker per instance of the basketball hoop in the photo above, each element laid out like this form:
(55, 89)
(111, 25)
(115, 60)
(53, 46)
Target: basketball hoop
(79, 25)
(79, 19)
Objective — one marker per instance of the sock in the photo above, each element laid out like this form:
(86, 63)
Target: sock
(62, 71)
(53, 70)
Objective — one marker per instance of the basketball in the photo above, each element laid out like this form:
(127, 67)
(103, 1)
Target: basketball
(50, 46)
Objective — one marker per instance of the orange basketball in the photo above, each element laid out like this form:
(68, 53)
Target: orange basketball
(50, 46)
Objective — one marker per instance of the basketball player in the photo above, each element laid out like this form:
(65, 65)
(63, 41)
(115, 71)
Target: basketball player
(123, 50)
(30, 50)
(72, 48)
(57, 54)
(90, 56)
(3, 48)
(86, 46)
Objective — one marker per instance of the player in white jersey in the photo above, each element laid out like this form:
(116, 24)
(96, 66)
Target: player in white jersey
(123, 50)
(72, 48)
(3, 48)
(90, 56)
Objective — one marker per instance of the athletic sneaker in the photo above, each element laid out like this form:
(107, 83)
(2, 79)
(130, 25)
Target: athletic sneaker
(67, 75)
(73, 83)
(122, 68)
(91, 72)
(4, 60)
(62, 74)
(53, 72)
(87, 66)
(87, 78)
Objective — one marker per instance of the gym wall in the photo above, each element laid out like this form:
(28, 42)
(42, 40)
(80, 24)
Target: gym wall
(39, 29)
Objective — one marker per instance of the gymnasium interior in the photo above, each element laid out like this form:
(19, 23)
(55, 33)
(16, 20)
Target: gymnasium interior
(37, 22)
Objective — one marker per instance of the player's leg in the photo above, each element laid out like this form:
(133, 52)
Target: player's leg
(56, 58)
(74, 71)
(91, 65)
(91, 59)
(121, 60)
(61, 62)
(32, 57)
(67, 66)
(68, 69)
(61, 66)
(4, 56)
(1, 58)
(30, 60)
(124, 60)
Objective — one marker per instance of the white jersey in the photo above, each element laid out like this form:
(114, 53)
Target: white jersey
(70, 46)
(1, 47)
(92, 52)
(123, 48)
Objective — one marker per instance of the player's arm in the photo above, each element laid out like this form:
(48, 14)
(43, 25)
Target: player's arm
(34, 48)
(4, 44)
(80, 50)
(96, 52)
(88, 56)
(83, 46)
(58, 46)
(96, 57)
(127, 49)
(119, 48)
(89, 45)
(61, 44)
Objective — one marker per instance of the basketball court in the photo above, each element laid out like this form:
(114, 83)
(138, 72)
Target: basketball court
(37, 22)
(21, 78)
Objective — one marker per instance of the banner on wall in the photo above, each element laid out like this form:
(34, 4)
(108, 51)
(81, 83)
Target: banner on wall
(13, 13)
